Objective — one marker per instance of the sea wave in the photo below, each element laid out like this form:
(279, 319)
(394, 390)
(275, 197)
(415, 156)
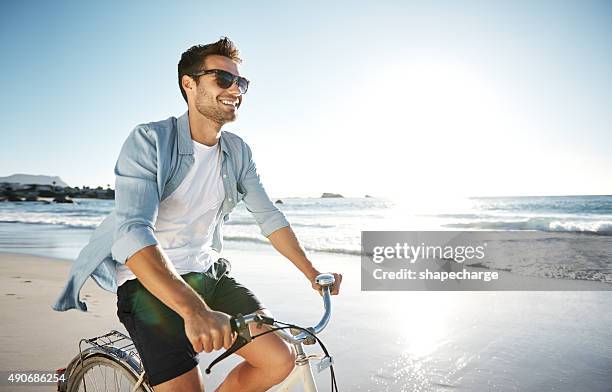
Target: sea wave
(294, 224)
(55, 221)
(342, 251)
(73, 224)
(308, 247)
(602, 227)
(243, 238)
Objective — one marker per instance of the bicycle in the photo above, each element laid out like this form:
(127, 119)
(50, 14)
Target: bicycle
(111, 361)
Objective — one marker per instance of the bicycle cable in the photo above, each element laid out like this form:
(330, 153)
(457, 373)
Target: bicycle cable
(334, 386)
(240, 341)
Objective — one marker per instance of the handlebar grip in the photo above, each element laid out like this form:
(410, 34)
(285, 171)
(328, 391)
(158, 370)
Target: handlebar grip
(233, 324)
(325, 280)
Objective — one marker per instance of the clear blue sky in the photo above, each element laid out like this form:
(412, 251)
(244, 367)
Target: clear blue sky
(385, 98)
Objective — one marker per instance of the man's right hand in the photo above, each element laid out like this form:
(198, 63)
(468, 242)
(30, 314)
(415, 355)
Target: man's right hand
(208, 330)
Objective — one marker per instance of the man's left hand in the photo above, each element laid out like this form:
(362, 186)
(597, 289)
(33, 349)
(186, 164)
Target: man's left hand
(335, 289)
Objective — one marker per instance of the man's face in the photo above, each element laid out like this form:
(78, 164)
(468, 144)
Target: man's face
(213, 102)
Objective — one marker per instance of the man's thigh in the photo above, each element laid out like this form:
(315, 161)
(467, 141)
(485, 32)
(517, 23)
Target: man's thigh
(230, 296)
(265, 352)
(268, 350)
(158, 334)
(186, 382)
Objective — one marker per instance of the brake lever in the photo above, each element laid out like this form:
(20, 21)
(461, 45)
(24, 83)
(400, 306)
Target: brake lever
(240, 326)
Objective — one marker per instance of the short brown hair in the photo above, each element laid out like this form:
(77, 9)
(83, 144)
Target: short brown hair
(193, 58)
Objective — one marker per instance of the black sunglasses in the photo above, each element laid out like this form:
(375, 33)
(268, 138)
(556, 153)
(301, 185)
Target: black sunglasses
(226, 79)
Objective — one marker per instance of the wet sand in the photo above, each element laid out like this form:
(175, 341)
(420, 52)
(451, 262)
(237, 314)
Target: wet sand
(381, 341)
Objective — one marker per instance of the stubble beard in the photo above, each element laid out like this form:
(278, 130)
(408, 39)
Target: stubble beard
(208, 107)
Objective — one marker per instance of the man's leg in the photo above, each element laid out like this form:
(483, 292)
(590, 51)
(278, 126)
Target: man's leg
(268, 361)
(159, 336)
(187, 382)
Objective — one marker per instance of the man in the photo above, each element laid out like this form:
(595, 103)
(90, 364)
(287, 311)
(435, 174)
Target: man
(176, 182)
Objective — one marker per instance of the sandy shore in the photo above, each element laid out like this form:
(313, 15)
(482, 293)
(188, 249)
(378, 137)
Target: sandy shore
(382, 341)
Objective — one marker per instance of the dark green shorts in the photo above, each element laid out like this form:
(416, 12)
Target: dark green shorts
(159, 333)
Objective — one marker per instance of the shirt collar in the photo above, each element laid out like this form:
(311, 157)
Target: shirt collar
(184, 135)
(185, 145)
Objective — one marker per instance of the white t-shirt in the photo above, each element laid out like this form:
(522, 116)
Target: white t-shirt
(186, 219)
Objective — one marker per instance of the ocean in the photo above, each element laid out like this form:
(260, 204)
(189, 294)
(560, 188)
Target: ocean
(576, 240)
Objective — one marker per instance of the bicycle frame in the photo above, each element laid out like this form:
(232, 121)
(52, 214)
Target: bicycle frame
(301, 372)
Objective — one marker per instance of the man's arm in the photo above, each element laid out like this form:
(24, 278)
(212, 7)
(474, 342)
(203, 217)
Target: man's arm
(136, 206)
(136, 194)
(274, 225)
(287, 244)
(206, 329)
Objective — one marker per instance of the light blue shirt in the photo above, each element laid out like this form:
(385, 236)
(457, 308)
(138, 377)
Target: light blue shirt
(152, 163)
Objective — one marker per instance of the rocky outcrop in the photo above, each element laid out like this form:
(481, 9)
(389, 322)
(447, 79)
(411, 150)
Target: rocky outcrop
(13, 191)
(331, 195)
(62, 199)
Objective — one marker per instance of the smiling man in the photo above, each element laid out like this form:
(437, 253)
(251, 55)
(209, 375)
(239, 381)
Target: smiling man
(177, 180)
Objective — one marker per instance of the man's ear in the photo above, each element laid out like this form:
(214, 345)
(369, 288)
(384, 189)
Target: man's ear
(187, 82)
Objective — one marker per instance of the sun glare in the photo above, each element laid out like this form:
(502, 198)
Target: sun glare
(445, 126)
(422, 329)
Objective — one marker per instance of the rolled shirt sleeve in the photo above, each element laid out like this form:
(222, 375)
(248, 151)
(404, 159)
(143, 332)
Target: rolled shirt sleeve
(137, 195)
(266, 214)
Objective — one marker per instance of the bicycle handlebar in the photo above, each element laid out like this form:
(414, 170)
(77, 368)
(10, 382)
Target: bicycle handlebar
(240, 323)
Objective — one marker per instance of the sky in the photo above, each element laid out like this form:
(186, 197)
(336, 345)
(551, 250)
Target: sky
(411, 99)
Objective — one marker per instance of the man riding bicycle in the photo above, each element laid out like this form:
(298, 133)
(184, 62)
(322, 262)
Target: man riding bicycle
(177, 180)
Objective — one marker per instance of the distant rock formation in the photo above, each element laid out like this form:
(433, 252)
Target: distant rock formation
(63, 199)
(369, 197)
(331, 195)
(279, 201)
(36, 192)
(34, 179)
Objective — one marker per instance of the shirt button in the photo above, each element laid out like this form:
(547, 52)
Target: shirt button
(230, 199)
(225, 176)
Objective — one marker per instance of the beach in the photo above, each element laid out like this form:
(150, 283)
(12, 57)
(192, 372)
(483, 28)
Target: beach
(450, 158)
(381, 341)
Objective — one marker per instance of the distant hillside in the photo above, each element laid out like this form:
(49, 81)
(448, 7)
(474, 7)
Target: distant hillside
(32, 179)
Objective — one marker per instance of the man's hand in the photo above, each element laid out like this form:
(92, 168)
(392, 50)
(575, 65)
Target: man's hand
(208, 330)
(335, 289)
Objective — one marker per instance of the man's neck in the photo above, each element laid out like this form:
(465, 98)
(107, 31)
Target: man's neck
(203, 130)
